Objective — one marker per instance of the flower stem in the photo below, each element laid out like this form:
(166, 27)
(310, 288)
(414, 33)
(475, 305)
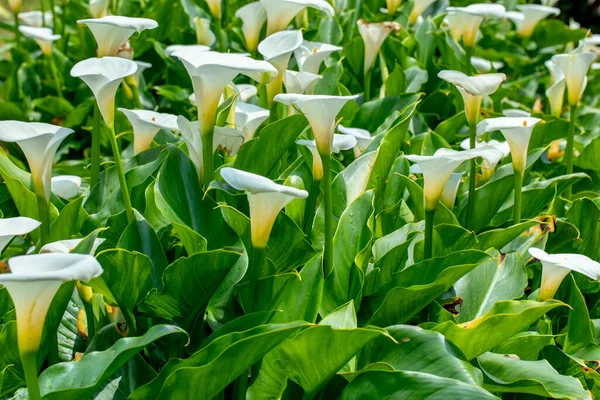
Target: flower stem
(570, 146)
(328, 204)
(17, 31)
(472, 180)
(219, 34)
(54, 20)
(518, 196)
(367, 85)
(468, 62)
(43, 10)
(130, 320)
(309, 212)
(208, 158)
(240, 386)
(121, 174)
(136, 96)
(43, 214)
(57, 82)
(95, 178)
(89, 317)
(428, 250)
(29, 361)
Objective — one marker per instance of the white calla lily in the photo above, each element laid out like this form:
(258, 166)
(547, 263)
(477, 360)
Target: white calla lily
(281, 12)
(418, 9)
(113, 31)
(357, 174)
(266, 199)
(487, 169)
(67, 246)
(555, 267)
(340, 142)
(204, 35)
(321, 112)
(248, 117)
(66, 186)
(36, 18)
(215, 8)
(515, 112)
(549, 3)
(373, 35)
(310, 55)
(464, 22)
(17, 226)
(556, 91)
(450, 190)
(299, 82)
(146, 125)
(44, 37)
(246, 91)
(174, 48)
(253, 16)
(575, 67)
(142, 66)
(277, 49)
(99, 8)
(473, 89)
(484, 66)
(103, 76)
(363, 137)
(529, 16)
(590, 43)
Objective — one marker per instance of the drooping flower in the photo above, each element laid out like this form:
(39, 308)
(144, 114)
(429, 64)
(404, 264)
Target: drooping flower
(464, 22)
(281, 12)
(555, 267)
(248, 117)
(266, 199)
(66, 186)
(418, 9)
(363, 137)
(277, 50)
(103, 76)
(340, 142)
(575, 66)
(253, 16)
(204, 35)
(36, 18)
(111, 32)
(299, 82)
(556, 91)
(17, 226)
(99, 8)
(310, 55)
(473, 89)
(373, 35)
(44, 37)
(529, 16)
(146, 125)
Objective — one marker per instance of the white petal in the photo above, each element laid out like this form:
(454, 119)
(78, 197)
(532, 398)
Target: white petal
(146, 125)
(246, 91)
(363, 137)
(66, 186)
(419, 8)
(310, 55)
(299, 82)
(357, 174)
(516, 113)
(451, 189)
(190, 132)
(34, 18)
(480, 85)
(281, 12)
(255, 184)
(228, 139)
(249, 117)
(373, 35)
(112, 31)
(278, 48)
(532, 15)
(253, 16)
(11, 227)
(174, 48)
(99, 8)
(575, 67)
(66, 246)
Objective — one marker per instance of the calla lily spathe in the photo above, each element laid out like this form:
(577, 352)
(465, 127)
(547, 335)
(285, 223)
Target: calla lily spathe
(555, 267)
(17, 226)
(340, 142)
(392, 6)
(113, 31)
(66, 186)
(363, 137)
(215, 8)
(253, 16)
(529, 16)
(464, 22)
(266, 199)
(174, 48)
(146, 125)
(99, 8)
(277, 50)
(103, 76)
(373, 35)
(450, 190)
(575, 67)
(321, 112)
(15, 6)
(36, 18)
(549, 3)
(473, 89)
(310, 55)
(44, 37)
(484, 66)
(488, 170)
(299, 82)
(248, 117)
(418, 9)
(204, 35)
(281, 12)
(556, 91)
(67, 246)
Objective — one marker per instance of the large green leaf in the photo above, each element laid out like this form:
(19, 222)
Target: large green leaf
(585, 215)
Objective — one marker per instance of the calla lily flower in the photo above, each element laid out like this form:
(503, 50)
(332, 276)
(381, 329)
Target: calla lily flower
(99, 8)
(590, 43)
(174, 48)
(299, 82)
(310, 55)
(253, 16)
(418, 9)
(373, 35)
(549, 3)
(321, 111)
(204, 35)
(575, 66)
(281, 12)
(450, 190)
(515, 112)
(44, 37)
(36, 18)
(484, 66)
(465, 21)
(17, 226)
(66, 186)
(473, 89)
(555, 267)
(67, 246)
(340, 142)
(112, 32)
(277, 50)
(363, 138)
(357, 174)
(529, 16)
(246, 91)
(215, 8)
(15, 6)
(487, 169)
(266, 199)
(142, 66)
(556, 91)
(146, 125)
(392, 6)
(103, 76)
(248, 117)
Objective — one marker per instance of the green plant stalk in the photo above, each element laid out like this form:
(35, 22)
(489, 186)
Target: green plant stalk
(208, 158)
(350, 28)
(472, 179)
(240, 387)
(63, 26)
(121, 174)
(130, 321)
(468, 57)
(136, 96)
(219, 34)
(29, 361)
(518, 196)
(96, 133)
(328, 208)
(57, 82)
(570, 147)
(428, 250)
(367, 85)
(54, 19)
(43, 10)
(17, 31)
(89, 317)
(309, 212)
(43, 213)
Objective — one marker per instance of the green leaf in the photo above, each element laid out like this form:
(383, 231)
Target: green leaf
(585, 214)
(372, 114)
(498, 238)
(525, 345)
(69, 221)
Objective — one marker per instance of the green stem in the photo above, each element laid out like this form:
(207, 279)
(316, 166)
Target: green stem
(43, 10)
(309, 212)
(208, 158)
(57, 82)
(328, 204)
(219, 34)
(17, 31)
(273, 113)
(472, 180)
(54, 19)
(89, 316)
(136, 96)
(121, 174)
(29, 361)
(428, 251)
(518, 196)
(63, 26)
(241, 386)
(367, 85)
(350, 28)
(570, 146)
(130, 320)
(44, 215)
(96, 133)
(468, 61)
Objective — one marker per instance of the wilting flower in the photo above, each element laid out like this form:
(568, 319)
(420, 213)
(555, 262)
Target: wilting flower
(418, 9)
(373, 35)
(529, 16)
(556, 91)
(113, 31)
(103, 76)
(253, 16)
(310, 55)
(204, 35)
(555, 267)
(99, 8)
(277, 50)
(266, 199)
(299, 82)
(17, 226)
(340, 142)
(36, 18)
(281, 12)
(66, 186)
(42, 36)
(472, 89)
(464, 22)
(67, 246)
(39, 143)
(575, 66)
(321, 112)
(484, 66)
(363, 138)
(248, 117)
(146, 125)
